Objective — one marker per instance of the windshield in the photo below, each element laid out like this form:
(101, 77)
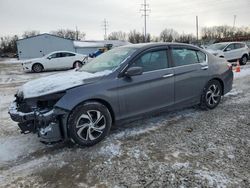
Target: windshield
(109, 60)
(218, 46)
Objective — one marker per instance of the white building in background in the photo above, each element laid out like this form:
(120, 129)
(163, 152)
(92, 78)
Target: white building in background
(40, 45)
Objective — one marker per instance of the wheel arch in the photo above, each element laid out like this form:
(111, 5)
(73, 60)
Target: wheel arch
(245, 54)
(101, 101)
(36, 64)
(220, 81)
(76, 61)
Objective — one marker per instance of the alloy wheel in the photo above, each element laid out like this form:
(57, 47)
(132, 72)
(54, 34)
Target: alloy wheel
(213, 95)
(91, 125)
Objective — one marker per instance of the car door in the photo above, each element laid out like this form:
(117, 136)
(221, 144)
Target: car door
(51, 62)
(230, 52)
(239, 50)
(153, 89)
(191, 74)
(68, 60)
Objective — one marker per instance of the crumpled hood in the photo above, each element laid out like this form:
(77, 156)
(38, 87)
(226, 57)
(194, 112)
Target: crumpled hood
(57, 82)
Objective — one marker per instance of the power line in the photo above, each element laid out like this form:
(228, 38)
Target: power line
(145, 9)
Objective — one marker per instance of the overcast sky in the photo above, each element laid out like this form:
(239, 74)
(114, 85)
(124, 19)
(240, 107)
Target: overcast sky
(17, 16)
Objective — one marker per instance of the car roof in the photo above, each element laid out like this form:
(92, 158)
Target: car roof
(229, 42)
(62, 52)
(158, 44)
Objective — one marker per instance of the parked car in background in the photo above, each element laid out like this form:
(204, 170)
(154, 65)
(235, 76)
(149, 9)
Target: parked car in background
(55, 61)
(231, 51)
(248, 45)
(122, 84)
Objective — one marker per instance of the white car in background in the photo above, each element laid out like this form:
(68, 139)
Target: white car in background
(231, 51)
(55, 61)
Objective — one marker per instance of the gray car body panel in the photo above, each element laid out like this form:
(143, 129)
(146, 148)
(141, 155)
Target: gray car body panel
(151, 91)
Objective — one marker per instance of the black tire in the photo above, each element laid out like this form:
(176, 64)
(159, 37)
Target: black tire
(211, 95)
(243, 60)
(77, 64)
(37, 67)
(86, 126)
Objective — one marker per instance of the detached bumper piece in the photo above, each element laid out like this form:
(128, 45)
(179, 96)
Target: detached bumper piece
(45, 123)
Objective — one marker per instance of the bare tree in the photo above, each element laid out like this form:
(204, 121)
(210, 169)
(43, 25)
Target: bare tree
(135, 37)
(32, 33)
(186, 38)
(168, 35)
(8, 44)
(118, 35)
(69, 34)
(220, 32)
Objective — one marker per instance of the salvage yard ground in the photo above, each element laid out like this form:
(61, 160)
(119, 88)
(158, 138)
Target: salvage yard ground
(185, 148)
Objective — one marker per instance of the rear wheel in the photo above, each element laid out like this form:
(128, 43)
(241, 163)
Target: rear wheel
(243, 60)
(37, 67)
(211, 95)
(77, 64)
(89, 123)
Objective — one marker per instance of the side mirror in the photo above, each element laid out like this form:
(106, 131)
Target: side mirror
(228, 49)
(49, 58)
(133, 71)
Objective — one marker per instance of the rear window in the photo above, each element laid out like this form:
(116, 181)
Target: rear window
(239, 45)
(201, 56)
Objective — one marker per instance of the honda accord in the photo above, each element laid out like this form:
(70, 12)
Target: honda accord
(125, 83)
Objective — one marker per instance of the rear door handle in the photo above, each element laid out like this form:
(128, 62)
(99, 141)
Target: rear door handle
(204, 68)
(167, 75)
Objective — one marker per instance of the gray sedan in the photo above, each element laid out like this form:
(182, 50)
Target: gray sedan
(123, 84)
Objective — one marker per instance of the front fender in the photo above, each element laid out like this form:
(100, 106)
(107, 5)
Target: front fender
(101, 91)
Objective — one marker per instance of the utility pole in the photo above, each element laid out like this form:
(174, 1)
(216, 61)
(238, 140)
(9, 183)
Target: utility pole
(197, 29)
(145, 9)
(234, 21)
(105, 25)
(77, 34)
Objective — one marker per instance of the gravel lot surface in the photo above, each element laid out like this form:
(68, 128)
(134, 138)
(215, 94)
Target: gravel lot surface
(184, 148)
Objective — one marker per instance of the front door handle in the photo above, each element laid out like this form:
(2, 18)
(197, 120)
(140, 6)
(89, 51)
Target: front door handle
(204, 68)
(167, 75)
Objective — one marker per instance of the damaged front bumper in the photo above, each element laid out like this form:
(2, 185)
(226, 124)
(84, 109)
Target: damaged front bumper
(46, 123)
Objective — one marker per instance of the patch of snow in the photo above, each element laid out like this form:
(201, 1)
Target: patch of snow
(180, 165)
(57, 82)
(244, 72)
(16, 146)
(12, 61)
(111, 150)
(234, 92)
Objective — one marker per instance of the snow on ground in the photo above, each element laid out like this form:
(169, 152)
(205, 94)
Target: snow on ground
(10, 61)
(20, 145)
(245, 71)
(185, 148)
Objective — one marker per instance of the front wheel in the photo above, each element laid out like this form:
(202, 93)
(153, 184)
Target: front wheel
(211, 95)
(243, 60)
(89, 123)
(37, 67)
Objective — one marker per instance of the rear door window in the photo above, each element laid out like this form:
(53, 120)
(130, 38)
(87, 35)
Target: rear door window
(183, 56)
(239, 45)
(69, 54)
(202, 57)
